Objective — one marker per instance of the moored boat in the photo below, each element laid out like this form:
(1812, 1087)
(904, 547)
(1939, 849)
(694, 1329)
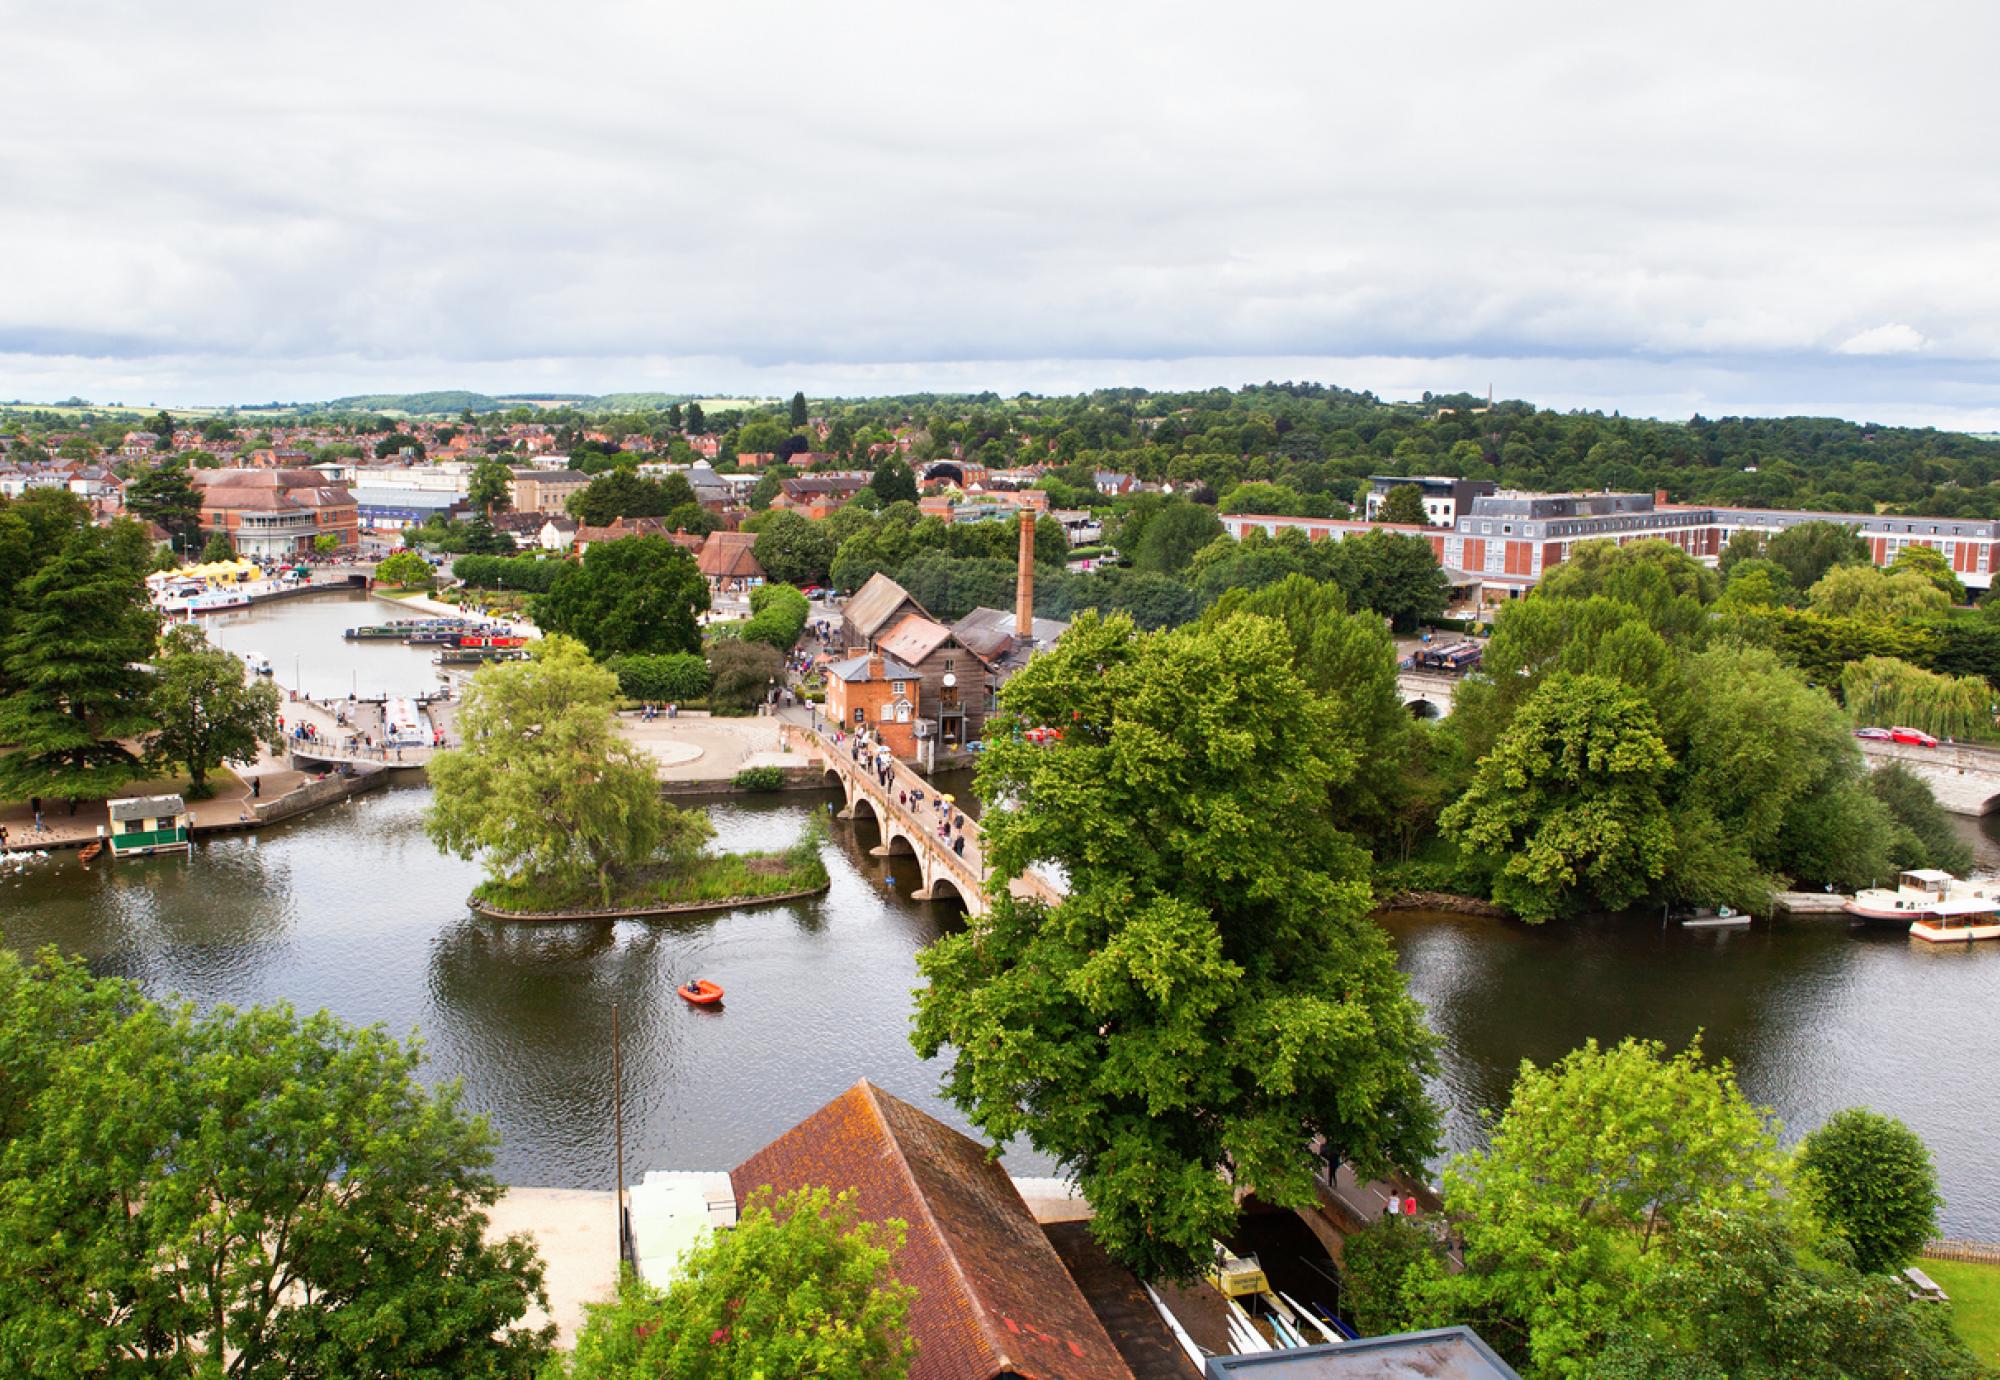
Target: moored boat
(1918, 894)
(1713, 918)
(1959, 921)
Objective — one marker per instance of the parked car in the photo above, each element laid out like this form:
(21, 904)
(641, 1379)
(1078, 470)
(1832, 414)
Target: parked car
(1915, 737)
(1877, 735)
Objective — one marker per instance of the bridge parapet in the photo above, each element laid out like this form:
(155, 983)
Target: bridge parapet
(1964, 778)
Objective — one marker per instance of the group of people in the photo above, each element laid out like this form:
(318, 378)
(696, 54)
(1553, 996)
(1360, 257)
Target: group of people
(651, 711)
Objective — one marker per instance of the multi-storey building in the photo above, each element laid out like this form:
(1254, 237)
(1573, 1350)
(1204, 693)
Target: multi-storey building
(1444, 497)
(1507, 541)
(276, 514)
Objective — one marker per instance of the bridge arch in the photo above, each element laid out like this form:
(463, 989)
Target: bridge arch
(945, 887)
(1421, 708)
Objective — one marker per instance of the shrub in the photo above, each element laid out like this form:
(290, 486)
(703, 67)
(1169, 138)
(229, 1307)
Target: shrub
(675, 676)
(778, 615)
(528, 574)
(743, 673)
(405, 570)
(759, 779)
(1383, 1268)
(1870, 1178)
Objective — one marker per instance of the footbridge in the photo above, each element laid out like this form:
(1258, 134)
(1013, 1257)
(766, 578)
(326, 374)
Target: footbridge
(1427, 694)
(911, 830)
(1965, 779)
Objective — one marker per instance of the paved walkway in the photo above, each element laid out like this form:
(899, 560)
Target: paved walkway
(697, 747)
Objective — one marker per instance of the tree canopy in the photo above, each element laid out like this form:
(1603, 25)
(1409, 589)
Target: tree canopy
(206, 710)
(801, 1285)
(1210, 994)
(244, 1194)
(635, 594)
(1870, 1178)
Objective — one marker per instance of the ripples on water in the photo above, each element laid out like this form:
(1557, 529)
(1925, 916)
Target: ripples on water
(1815, 1015)
(354, 910)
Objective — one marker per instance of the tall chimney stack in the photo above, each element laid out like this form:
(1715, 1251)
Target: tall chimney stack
(1024, 581)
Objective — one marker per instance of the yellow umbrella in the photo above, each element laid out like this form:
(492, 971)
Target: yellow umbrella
(947, 799)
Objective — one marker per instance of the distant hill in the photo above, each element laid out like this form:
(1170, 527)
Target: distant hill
(445, 400)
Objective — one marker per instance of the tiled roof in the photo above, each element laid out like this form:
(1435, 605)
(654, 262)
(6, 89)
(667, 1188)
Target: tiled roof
(855, 669)
(875, 602)
(914, 639)
(993, 1298)
(727, 555)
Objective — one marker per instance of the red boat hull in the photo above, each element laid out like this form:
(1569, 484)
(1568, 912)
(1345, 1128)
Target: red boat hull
(700, 993)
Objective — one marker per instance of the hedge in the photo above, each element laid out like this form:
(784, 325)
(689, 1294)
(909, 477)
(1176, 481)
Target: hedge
(677, 676)
(529, 574)
(759, 779)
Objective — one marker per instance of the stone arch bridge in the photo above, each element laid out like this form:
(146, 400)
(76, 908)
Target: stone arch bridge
(1965, 779)
(912, 832)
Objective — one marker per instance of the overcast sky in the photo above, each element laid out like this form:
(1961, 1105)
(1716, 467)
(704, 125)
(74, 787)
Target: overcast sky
(1758, 206)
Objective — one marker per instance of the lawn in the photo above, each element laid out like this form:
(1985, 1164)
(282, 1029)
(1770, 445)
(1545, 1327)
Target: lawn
(1975, 1302)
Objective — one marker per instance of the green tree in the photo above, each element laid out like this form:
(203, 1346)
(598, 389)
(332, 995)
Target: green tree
(1172, 535)
(801, 1285)
(81, 627)
(1930, 563)
(636, 594)
(1387, 1269)
(242, 1194)
(1884, 690)
(679, 677)
(1753, 1298)
(1809, 549)
(166, 495)
(793, 549)
(798, 412)
(395, 443)
(1924, 834)
(1404, 503)
(207, 711)
(768, 486)
(1210, 994)
(1870, 1178)
(621, 493)
(778, 614)
(1393, 574)
(1594, 1164)
(405, 570)
(543, 791)
(326, 543)
(741, 673)
(1568, 803)
(1745, 545)
(1876, 596)
(1349, 660)
(218, 548)
(697, 422)
(162, 426)
(488, 488)
(1755, 581)
(893, 481)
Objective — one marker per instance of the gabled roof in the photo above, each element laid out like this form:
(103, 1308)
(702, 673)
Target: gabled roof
(914, 639)
(993, 1297)
(987, 633)
(727, 555)
(875, 603)
(855, 670)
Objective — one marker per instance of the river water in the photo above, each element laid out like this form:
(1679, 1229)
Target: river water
(353, 909)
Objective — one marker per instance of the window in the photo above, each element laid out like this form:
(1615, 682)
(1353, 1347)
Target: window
(1506, 529)
(947, 663)
(897, 688)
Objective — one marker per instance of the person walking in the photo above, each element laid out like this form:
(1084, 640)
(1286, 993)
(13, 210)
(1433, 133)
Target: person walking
(35, 804)
(256, 787)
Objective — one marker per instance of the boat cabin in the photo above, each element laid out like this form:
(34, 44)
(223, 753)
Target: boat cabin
(143, 824)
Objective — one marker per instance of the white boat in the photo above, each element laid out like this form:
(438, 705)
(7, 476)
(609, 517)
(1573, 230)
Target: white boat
(215, 600)
(403, 724)
(259, 664)
(1714, 918)
(1959, 920)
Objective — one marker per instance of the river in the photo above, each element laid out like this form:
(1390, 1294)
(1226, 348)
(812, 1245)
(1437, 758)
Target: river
(352, 909)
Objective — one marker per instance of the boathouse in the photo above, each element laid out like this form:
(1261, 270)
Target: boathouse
(143, 824)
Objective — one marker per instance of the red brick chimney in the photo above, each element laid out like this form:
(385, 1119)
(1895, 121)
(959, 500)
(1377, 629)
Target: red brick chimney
(1024, 582)
(875, 671)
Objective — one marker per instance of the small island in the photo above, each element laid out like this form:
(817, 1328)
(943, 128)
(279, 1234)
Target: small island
(569, 820)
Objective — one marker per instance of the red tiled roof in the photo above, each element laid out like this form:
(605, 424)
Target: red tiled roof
(727, 556)
(993, 1297)
(914, 639)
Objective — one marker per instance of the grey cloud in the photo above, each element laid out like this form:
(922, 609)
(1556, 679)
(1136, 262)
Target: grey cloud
(1762, 200)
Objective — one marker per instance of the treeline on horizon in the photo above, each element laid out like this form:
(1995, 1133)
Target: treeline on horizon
(1312, 440)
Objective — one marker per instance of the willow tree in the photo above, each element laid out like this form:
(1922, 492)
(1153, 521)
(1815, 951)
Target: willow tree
(543, 790)
(1209, 999)
(1886, 690)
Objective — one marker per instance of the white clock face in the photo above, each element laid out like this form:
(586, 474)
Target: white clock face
(950, 679)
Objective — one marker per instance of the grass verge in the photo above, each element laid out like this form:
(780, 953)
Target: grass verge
(1975, 1302)
(709, 877)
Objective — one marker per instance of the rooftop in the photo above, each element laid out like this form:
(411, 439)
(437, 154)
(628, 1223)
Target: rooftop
(1446, 1353)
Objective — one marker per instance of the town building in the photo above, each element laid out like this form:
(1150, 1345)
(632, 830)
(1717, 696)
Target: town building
(276, 514)
(818, 495)
(994, 1300)
(957, 684)
(538, 490)
(1444, 497)
(729, 564)
(879, 694)
(1507, 541)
